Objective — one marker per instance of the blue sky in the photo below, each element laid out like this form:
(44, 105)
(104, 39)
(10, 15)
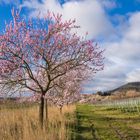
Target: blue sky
(125, 6)
(114, 24)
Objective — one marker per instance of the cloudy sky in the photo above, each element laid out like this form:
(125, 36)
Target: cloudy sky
(114, 24)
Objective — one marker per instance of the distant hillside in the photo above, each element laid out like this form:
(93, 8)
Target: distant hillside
(130, 86)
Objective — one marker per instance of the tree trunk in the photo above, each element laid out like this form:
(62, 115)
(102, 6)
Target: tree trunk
(46, 111)
(61, 110)
(67, 104)
(41, 111)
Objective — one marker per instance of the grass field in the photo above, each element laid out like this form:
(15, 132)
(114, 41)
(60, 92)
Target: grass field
(104, 123)
(81, 122)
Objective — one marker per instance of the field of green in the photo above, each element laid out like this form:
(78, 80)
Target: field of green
(101, 122)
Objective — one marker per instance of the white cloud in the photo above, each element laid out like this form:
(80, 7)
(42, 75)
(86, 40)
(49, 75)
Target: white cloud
(89, 14)
(122, 58)
(133, 76)
(127, 49)
(133, 33)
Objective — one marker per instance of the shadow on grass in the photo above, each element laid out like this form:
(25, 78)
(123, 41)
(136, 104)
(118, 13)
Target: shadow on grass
(84, 130)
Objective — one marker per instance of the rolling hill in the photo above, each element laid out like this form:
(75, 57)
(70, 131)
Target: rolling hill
(127, 87)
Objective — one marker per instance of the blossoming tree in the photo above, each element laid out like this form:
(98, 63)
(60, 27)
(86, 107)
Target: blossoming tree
(67, 89)
(35, 54)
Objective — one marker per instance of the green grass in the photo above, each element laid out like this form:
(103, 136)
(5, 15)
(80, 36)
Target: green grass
(101, 123)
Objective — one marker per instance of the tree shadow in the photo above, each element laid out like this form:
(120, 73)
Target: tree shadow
(81, 129)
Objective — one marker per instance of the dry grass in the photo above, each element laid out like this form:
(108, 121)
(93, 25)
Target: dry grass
(22, 124)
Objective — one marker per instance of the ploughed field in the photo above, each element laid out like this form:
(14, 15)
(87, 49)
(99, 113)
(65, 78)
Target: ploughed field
(108, 121)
